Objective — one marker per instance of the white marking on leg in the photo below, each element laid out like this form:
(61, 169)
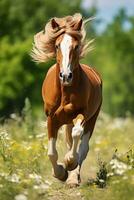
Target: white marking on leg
(72, 156)
(74, 176)
(65, 49)
(58, 169)
(83, 148)
(52, 153)
(52, 146)
(77, 129)
(77, 132)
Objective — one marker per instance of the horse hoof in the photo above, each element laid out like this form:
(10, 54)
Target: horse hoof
(73, 183)
(64, 178)
(61, 174)
(70, 162)
(74, 179)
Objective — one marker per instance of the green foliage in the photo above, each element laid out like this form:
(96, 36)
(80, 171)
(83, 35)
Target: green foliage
(114, 58)
(21, 78)
(19, 21)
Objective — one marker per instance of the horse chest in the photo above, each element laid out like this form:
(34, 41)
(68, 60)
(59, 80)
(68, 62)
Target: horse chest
(71, 103)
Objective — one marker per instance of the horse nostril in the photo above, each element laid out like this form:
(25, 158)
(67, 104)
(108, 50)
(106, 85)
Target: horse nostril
(61, 75)
(70, 75)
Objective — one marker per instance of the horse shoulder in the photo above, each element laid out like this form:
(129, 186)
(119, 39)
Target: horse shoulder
(50, 92)
(95, 85)
(92, 74)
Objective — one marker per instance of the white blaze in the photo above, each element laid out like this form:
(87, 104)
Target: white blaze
(65, 49)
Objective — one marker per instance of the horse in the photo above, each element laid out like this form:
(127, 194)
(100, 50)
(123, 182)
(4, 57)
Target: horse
(72, 92)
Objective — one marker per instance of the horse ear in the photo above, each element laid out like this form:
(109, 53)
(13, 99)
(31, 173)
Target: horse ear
(54, 24)
(79, 25)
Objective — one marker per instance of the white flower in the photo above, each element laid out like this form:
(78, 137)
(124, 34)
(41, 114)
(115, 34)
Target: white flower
(36, 177)
(4, 135)
(119, 167)
(48, 182)
(97, 149)
(44, 186)
(125, 177)
(20, 197)
(119, 171)
(78, 193)
(13, 178)
(41, 188)
(110, 174)
(40, 135)
(43, 124)
(36, 187)
(101, 180)
(13, 116)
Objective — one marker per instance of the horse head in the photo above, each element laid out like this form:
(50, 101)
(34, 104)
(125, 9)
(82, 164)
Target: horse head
(68, 48)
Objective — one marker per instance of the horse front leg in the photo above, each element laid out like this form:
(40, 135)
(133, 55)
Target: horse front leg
(74, 176)
(58, 169)
(71, 158)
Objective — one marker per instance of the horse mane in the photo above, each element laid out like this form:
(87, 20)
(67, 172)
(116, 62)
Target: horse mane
(44, 41)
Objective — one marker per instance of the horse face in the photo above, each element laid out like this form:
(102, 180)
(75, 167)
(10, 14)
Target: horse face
(67, 55)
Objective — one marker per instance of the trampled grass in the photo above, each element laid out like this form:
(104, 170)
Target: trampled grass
(25, 171)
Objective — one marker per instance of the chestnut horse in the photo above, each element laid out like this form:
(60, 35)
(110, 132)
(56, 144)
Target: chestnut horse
(72, 92)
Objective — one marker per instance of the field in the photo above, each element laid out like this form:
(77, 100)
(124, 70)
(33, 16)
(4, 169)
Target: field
(25, 171)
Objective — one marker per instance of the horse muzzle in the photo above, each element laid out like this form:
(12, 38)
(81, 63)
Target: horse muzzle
(66, 79)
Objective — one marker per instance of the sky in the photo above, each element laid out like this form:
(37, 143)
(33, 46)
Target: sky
(108, 8)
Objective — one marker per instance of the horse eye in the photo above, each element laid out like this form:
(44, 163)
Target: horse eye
(76, 47)
(57, 47)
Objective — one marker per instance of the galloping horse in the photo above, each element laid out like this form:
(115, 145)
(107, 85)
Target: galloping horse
(72, 92)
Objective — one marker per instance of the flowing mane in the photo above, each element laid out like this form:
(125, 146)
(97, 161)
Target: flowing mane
(44, 41)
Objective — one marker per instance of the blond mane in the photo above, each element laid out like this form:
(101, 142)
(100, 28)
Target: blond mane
(44, 41)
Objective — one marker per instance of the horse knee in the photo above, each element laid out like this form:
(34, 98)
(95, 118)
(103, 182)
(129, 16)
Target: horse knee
(77, 131)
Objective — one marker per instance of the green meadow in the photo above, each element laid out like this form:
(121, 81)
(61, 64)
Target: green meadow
(25, 170)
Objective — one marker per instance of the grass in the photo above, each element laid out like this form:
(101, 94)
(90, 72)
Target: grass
(25, 171)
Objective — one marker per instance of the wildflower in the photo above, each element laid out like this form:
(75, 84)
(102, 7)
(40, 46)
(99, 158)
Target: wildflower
(119, 167)
(13, 178)
(41, 188)
(110, 174)
(36, 177)
(43, 124)
(101, 181)
(44, 186)
(13, 116)
(20, 197)
(36, 187)
(4, 135)
(40, 135)
(48, 182)
(78, 194)
(97, 149)
(125, 177)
